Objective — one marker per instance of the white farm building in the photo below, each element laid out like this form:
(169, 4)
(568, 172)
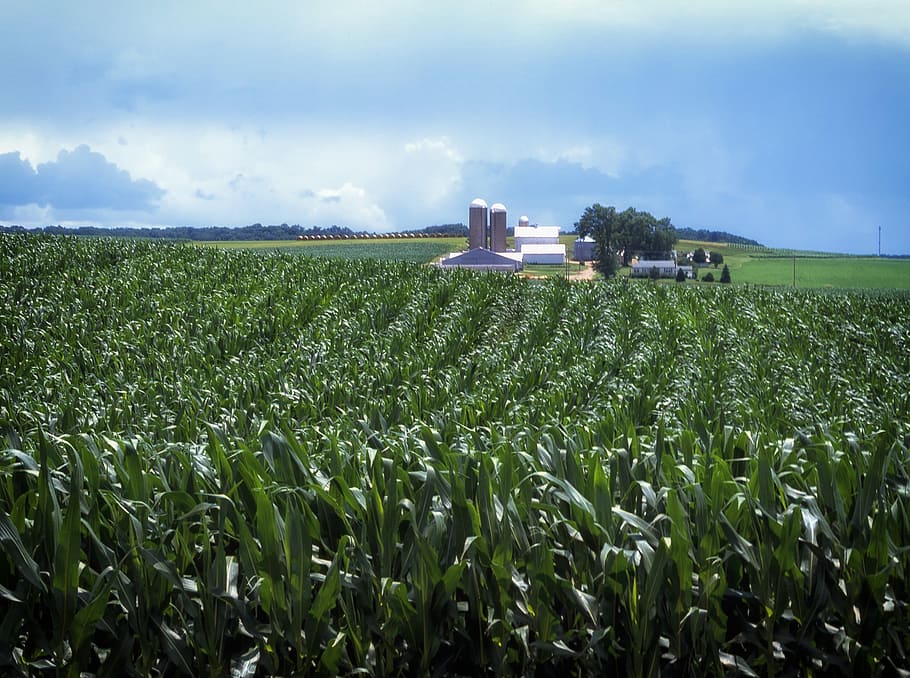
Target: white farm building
(666, 268)
(544, 253)
(539, 244)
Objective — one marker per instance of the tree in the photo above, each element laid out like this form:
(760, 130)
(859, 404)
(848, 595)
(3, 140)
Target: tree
(716, 258)
(625, 234)
(699, 256)
(680, 275)
(708, 277)
(595, 219)
(605, 261)
(725, 274)
(599, 222)
(654, 274)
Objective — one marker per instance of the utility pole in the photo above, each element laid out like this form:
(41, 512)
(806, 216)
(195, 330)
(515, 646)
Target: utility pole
(879, 241)
(794, 270)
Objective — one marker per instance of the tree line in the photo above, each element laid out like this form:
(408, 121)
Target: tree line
(228, 233)
(706, 235)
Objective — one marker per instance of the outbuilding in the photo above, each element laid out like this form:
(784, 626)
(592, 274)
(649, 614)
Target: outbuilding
(584, 248)
(543, 254)
(535, 235)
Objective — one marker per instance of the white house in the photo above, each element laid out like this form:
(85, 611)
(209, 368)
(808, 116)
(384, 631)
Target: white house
(666, 268)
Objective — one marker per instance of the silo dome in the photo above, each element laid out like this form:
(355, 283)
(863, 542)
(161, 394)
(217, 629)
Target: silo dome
(498, 207)
(479, 202)
(523, 221)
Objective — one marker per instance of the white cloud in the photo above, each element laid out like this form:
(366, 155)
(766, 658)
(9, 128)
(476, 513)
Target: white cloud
(429, 172)
(876, 19)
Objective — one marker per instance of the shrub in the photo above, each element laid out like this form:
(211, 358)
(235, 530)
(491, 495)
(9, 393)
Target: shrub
(708, 277)
(725, 274)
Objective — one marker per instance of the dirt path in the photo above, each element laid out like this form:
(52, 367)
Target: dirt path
(587, 273)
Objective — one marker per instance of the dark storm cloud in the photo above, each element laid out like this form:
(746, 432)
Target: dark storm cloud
(77, 179)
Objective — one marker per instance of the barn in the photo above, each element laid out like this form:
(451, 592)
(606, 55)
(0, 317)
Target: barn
(549, 253)
(480, 259)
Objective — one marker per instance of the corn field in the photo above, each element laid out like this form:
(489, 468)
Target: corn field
(220, 463)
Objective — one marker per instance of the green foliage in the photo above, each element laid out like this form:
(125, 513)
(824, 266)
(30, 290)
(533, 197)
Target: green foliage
(699, 256)
(716, 258)
(626, 234)
(680, 275)
(725, 274)
(708, 277)
(606, 262)
(218, 462)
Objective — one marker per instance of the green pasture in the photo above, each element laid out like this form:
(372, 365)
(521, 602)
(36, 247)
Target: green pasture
(836, 272)
(813, 269)
(549, 270)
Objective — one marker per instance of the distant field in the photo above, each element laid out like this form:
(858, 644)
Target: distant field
(418, 250)
(841, 272)
(747, 266)
(813, 269)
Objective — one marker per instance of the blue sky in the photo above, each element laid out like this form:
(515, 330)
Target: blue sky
(784, 121)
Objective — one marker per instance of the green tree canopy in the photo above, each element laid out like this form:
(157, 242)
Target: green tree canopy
(699, 256)
(625, 234)
(716, 258)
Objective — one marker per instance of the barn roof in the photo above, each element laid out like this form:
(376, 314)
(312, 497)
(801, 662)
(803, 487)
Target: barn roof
(482, 257)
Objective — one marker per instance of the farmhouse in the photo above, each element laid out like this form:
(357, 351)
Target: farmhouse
(666, 268)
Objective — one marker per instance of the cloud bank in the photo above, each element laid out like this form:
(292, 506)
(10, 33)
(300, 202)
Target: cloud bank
(77, 180)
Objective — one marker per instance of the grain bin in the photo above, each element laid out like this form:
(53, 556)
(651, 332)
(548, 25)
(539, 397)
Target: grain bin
(498, 227)
(477, 235)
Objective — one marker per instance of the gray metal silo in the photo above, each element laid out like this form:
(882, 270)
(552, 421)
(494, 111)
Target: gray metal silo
(477, 233)
(498, 227)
